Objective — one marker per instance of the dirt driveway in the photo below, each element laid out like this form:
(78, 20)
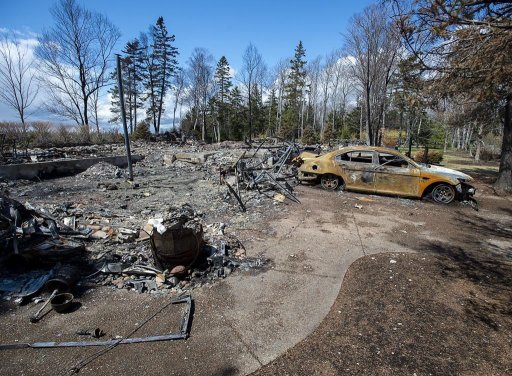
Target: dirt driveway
(249, 319)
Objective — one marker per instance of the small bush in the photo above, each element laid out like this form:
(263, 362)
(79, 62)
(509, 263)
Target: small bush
(327, 135)
(141, 132)
(112, 136)
(390, 138)
(433, 157)
(62, 136)
(345, 134)
(487, 155)
(309, 137)
(41, 131)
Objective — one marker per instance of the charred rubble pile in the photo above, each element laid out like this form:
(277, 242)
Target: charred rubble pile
(184, 253)
(169, 254)
(262, 167)
(140, 243)
(34, 248)
(22, 155)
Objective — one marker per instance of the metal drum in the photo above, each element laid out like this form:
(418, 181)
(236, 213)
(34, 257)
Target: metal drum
(176, 246)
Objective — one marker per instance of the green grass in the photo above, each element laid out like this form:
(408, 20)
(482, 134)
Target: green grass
(462, 161)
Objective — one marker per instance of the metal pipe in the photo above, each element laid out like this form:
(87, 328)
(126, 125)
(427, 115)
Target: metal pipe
(123, 115)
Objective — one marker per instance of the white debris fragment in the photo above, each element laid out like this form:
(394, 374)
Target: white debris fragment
(392, 261)
(158, 224)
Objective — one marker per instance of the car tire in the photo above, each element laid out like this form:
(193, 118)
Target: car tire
(443, 194)
(330, 182)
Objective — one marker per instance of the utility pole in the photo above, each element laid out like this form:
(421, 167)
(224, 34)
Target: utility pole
(123, 114)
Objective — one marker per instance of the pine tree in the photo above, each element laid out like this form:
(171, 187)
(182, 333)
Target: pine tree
(271, 111)
(237, 112)
(115, 105)
(132, 73)
(294, 89)
(133, 69)
(161, 65)
(223, 82)
(258, 112)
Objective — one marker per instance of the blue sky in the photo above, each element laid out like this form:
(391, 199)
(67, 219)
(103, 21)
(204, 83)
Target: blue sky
(222, 27)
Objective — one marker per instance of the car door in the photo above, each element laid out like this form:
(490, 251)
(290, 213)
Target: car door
(358, 169)
(395, 175)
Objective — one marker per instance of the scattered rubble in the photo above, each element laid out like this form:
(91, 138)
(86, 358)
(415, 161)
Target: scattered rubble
(176, 227)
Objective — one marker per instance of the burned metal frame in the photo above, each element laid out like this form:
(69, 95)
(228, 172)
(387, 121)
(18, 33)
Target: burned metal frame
(257, 174)
(182, 334)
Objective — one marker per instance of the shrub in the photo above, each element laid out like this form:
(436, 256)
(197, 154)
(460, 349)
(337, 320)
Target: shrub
(390, 138)
(309, 137)
(62, 136)
(489, 154)
(433, 157)
(141, 132)
(345, 134)
(112, 136)
(41, 131)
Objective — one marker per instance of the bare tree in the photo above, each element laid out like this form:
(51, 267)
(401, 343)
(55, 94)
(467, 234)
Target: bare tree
(374, 43)
(94, 107)
(326, 81)
(75, 57)
(345, 87)
(18, 87)
(313, 82)
(280, 74)
(201, 84)
(251, 72)
(179, 85)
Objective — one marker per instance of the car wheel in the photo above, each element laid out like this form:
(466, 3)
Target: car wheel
(443, 194)
(330, 182)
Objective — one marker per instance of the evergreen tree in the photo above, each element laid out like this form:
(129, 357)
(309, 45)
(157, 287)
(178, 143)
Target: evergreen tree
(133, 69)
(115, 105)
(132, 73)
(258, 112)
(238, 115)
(271, 112)
(161, 64)
(223, 82)
(294, 92)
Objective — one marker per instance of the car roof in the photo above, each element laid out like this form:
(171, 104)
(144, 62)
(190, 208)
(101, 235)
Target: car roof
(379, 149)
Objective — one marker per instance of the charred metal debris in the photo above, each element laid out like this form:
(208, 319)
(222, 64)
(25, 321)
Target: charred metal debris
(265, 168)
(52, 248)
(174, 253)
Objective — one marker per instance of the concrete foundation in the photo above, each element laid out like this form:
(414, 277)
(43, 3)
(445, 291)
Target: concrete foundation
(62, 167)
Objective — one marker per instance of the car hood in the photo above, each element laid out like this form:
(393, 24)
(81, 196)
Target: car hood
(448, 172)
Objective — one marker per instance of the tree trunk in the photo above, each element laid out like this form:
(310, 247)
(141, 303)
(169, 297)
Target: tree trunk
(96, 116)
(369, 129)
(409, 138)
(174, 111)
(86, 117)
(504, 182)
(401, 126)
(250, 113)
(361, 123)
(479, 141)
(135, 109)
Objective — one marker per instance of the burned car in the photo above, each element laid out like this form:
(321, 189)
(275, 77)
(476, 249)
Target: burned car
(386, 171)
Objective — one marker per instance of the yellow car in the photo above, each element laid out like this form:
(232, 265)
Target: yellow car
(382, 170)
